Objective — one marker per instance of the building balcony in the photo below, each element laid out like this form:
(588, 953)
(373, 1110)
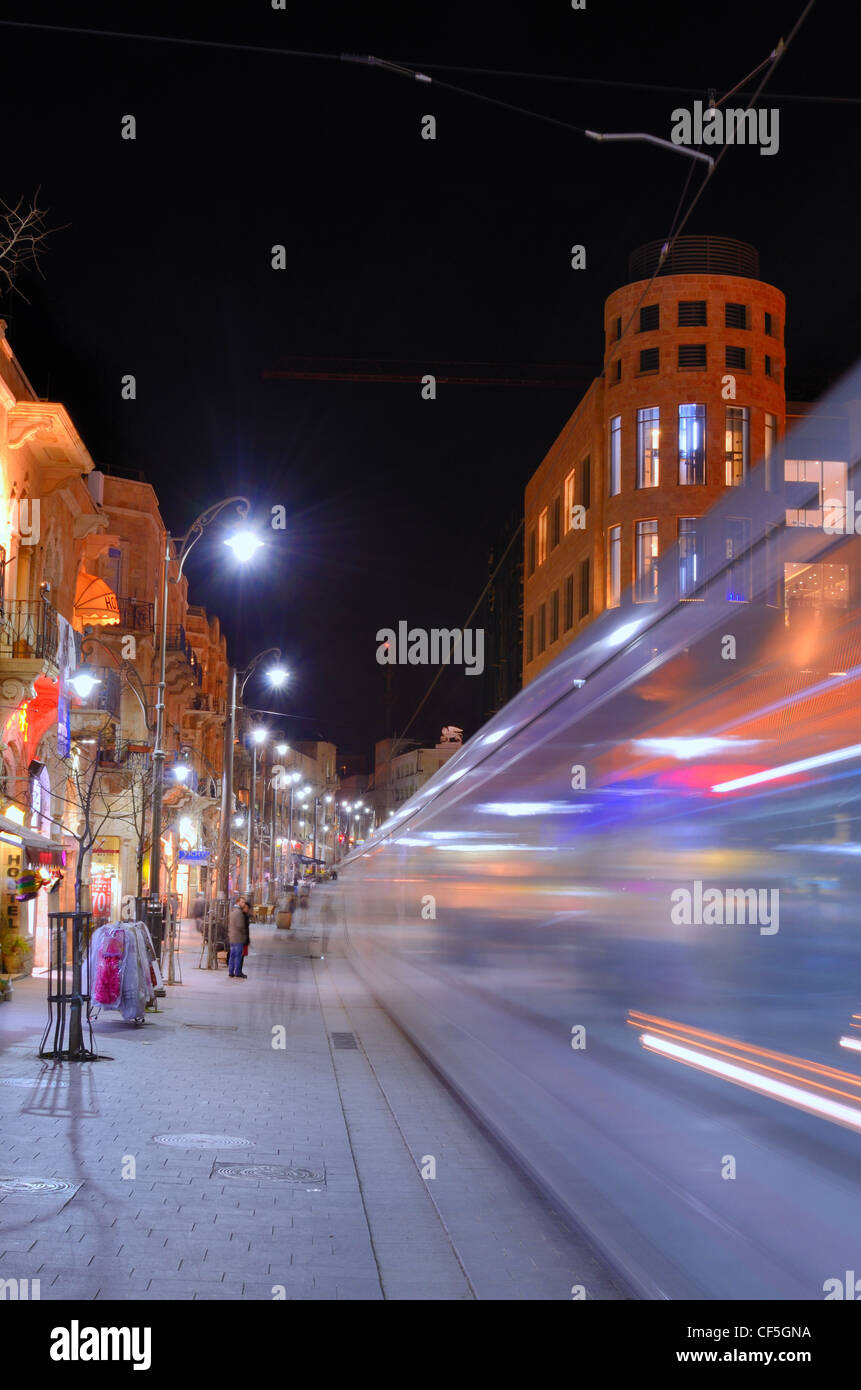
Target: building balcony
(29, 639)
(181, 654)
(89, 716)
(135, 616)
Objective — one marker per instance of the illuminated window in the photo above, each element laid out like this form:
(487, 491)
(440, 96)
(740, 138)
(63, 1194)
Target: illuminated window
(648, 446)
(737, 550)
(614, 567)
(692, 443)
(816, 586)
(819, 486)
(569, 499)
(615, 459)
(542, 536)
(691, 555)
(646, 574)
(737, 444)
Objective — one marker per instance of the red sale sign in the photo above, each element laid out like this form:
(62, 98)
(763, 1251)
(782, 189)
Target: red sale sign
(100, 890)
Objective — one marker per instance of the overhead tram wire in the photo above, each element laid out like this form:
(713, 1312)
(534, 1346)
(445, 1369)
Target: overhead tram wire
(570, 79)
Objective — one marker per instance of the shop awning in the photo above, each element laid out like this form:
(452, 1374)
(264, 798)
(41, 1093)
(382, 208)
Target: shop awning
(95, 601)
(40, 850)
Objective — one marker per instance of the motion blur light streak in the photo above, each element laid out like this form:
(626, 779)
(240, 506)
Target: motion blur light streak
(694, 747)
(839, 755)
(853, 1043)
(792, 1095)
(572, 927)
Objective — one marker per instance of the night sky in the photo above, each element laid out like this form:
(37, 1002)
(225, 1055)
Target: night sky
(404, 256)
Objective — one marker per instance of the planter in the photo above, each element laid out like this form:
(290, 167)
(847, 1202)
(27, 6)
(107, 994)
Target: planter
(13, 965)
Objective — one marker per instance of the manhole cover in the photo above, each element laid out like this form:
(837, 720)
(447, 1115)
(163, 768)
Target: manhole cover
(33, 1081)
(266, 1172)
(342, 1041)
(203, 1141)
(38, 1185)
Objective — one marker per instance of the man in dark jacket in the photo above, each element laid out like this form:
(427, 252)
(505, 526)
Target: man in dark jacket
(238, 936)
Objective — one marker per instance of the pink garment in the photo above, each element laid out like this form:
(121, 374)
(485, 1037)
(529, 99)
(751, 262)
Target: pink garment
(108, 984)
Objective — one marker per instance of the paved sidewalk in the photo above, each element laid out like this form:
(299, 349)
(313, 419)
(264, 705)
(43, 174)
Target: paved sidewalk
(298, 1072)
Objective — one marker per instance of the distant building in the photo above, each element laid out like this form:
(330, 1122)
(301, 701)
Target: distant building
(691, 397)
(399, 770)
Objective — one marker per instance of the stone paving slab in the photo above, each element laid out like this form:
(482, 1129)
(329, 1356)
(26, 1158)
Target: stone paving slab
(151, 1221)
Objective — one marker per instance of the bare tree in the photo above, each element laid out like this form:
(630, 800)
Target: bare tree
(23, 235)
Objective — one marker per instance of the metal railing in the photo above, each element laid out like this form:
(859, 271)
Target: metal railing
(104, 697)
(28, 628)
(696, 255)
(178, 642)
(135, 615)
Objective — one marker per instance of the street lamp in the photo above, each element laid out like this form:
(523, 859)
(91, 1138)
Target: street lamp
(186, 544)
(279, 675)
(84, 683)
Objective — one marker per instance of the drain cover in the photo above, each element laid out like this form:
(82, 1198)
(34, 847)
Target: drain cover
(33, 1081)
(266, 1172)
(344, 1040)
(38, 1185)
(203, 1141)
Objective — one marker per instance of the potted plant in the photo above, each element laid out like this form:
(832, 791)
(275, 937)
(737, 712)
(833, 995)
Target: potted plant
(16, 952)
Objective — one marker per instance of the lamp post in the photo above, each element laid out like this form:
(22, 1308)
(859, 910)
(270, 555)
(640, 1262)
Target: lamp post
(277, 676)
(257, 736)
(243, 545)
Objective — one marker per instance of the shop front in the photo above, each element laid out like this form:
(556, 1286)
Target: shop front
(31, 870)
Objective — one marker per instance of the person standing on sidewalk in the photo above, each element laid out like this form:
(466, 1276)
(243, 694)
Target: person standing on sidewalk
(238, 937)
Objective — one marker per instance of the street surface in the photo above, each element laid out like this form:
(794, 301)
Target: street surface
(339, 1124)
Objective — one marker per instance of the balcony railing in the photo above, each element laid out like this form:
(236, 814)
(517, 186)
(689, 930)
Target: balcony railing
(28, 629)
(135, 615)
(104, 697)
(122, 755)
(205, 703)
(178, 642)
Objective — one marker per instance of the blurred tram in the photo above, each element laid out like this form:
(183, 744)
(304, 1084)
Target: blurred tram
(624, 921)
